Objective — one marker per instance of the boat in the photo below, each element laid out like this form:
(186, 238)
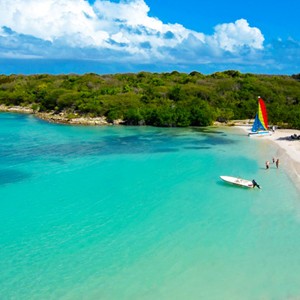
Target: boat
(240, 181)
(260, 125)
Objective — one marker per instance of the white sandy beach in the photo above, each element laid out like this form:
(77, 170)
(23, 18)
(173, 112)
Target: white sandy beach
(288, 150)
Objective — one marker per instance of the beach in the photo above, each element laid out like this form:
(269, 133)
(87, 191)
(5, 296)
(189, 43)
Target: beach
(288, 150)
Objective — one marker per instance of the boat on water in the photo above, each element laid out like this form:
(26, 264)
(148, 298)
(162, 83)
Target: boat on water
(240, 181)
(260, 125)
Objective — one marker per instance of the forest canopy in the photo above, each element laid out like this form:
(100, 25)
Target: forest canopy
(158, 99)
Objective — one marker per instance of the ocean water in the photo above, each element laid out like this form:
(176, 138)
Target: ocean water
(141, 213)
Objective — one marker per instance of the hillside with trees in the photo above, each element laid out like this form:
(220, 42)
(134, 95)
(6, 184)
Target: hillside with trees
(158, 99)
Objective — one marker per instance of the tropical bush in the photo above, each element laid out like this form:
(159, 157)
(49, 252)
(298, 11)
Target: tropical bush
(159, 99)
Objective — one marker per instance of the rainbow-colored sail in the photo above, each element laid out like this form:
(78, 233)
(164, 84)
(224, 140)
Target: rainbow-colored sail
(261, 118)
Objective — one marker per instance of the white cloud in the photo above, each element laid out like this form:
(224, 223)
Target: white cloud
(133, 13)
(232, 36)
(73, 20)
(124, 27)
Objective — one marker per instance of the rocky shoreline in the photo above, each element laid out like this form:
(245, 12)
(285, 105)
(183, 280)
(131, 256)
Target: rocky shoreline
(65, 118)
(62, 118)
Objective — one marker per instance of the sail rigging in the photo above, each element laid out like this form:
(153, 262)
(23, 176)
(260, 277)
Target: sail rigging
(261, 118)
(260, 125)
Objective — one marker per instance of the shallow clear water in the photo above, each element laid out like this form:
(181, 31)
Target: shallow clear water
(140, 213)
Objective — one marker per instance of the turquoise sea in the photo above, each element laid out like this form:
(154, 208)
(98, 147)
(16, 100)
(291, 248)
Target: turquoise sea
(141, 213)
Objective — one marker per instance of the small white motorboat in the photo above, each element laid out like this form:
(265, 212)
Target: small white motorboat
(240, 181)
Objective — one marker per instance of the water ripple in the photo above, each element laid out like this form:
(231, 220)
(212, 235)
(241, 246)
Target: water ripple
(8, 176)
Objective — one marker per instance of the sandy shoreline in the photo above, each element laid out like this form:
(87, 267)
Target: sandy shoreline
(288, 150)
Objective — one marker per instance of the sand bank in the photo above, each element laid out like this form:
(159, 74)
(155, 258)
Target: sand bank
(288, 150)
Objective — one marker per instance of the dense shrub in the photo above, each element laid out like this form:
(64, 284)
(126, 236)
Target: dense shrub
(159, 99)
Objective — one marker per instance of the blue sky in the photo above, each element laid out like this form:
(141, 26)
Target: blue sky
(118, 36)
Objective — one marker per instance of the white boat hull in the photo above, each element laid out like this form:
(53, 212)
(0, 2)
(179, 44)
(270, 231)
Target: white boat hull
(260, 133)
(237, 181)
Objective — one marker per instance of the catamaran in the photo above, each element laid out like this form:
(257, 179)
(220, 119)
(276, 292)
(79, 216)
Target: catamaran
(260, 125)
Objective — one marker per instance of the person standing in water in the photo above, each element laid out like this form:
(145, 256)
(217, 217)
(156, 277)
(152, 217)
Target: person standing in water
(267, 164)
(277, 163)
(255, 184)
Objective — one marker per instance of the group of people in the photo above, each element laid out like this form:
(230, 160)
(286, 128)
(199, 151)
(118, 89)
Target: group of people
(274, 162)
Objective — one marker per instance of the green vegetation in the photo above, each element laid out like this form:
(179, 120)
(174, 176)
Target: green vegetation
(158, 99)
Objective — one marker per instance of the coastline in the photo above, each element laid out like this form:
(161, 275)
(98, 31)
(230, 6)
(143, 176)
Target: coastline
(288, 150)
(61, 118)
